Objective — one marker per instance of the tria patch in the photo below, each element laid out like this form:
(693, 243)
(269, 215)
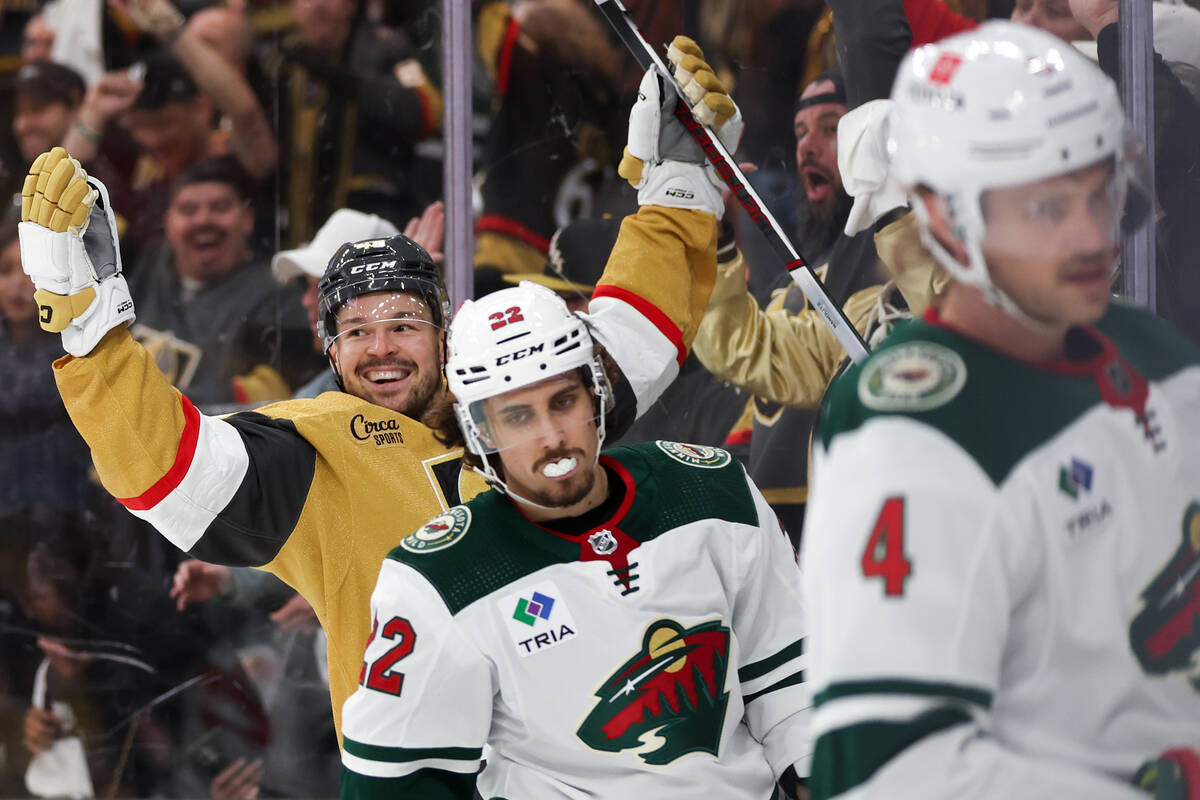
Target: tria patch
(440, 532)
(912, 377)
(537, 618)
(668, 699)
(695, 455)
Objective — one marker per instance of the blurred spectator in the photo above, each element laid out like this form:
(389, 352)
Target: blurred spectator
(225, 30)
(1053, 16)
(48, 97)
(224, 330)
(554, 74)
(344, 225)
(353, 100)
(42, 459)
(126, 689)
(37, 40)
(783, 354)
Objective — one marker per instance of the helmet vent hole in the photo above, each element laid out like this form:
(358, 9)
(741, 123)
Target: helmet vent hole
(1066, 154)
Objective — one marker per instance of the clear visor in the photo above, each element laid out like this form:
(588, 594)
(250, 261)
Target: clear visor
(380, 318)
(556, 421)
(1074, 220)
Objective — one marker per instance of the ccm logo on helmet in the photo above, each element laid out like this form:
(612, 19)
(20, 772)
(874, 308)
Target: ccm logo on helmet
(357, 268)
(519, 354)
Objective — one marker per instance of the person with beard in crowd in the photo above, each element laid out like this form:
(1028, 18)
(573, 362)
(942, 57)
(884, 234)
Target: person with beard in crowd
(783, 355)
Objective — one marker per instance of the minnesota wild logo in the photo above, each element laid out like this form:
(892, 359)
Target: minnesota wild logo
(695, 455)
(440, 532)
(1165, 635)
(667, 700)
(918, 376)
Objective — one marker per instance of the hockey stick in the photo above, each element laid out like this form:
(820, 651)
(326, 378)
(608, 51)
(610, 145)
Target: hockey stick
(723, 163)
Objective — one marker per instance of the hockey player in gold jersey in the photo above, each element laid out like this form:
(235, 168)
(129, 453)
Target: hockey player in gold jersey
(317, 491)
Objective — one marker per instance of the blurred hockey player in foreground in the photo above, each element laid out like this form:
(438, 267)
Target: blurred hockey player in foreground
(616, 624)
(1002, 561)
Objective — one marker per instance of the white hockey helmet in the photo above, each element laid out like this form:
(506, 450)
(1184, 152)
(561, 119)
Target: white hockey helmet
(1002, 105)
(511, 339)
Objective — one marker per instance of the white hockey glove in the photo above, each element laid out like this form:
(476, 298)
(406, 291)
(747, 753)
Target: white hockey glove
(865, 165)
(69, 250)
(662, 160)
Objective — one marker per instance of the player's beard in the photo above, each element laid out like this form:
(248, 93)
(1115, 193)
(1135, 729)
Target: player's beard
(561, 494)
(821, 223)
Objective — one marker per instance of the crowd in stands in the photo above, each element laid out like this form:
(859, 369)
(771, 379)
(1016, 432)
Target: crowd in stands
(243, 141)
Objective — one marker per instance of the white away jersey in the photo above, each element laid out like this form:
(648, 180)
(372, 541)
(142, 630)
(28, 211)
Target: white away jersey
(1002, 566)
(658, 654)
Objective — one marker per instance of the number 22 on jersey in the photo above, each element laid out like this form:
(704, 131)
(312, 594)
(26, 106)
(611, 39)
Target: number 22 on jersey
(378, 675)
(884, 554)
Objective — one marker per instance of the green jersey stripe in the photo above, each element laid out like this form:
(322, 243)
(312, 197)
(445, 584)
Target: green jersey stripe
(397, 755)
(975, 696)
(428, 784)
(791, 680)
(760, 668)
(847, 757)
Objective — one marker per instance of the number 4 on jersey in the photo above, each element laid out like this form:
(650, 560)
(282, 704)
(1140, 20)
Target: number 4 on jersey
(884, 556)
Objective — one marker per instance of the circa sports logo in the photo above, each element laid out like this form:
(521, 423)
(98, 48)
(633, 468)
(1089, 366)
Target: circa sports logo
(669, 699)
(382, 431)
(440, 532)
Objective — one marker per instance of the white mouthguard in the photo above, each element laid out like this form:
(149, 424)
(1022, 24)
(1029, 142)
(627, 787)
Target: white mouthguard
(556, 469)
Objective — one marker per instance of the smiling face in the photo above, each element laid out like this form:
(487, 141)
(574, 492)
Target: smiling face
(388, 352)
(207, 225)
(547, 439)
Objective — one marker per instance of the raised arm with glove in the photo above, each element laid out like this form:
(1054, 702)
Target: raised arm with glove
(69, 250)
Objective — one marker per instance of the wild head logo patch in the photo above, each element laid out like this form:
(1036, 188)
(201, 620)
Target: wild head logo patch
(918, 376)
(1165, 635)
(440, 532)
(669, 699)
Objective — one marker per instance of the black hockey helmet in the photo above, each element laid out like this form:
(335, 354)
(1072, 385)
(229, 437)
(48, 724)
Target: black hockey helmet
(395, 264)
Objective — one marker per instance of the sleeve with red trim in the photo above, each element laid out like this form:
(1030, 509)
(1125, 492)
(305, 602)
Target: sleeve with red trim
(228, 491)
(647, 306)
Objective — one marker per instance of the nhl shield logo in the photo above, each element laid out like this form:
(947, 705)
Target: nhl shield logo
(695, 455)
(669, 699)
(603, 542)
(440, 532)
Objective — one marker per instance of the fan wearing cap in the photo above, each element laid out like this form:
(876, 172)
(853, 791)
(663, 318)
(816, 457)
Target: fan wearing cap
(1002, 557)
(624, 623)
(784, 355)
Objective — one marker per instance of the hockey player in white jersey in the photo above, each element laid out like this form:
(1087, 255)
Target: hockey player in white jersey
(1002, 562)
(617, 624)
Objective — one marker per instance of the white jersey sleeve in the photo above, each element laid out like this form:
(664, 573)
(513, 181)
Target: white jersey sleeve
(914, 563)
(768, 615)
(417, 724)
